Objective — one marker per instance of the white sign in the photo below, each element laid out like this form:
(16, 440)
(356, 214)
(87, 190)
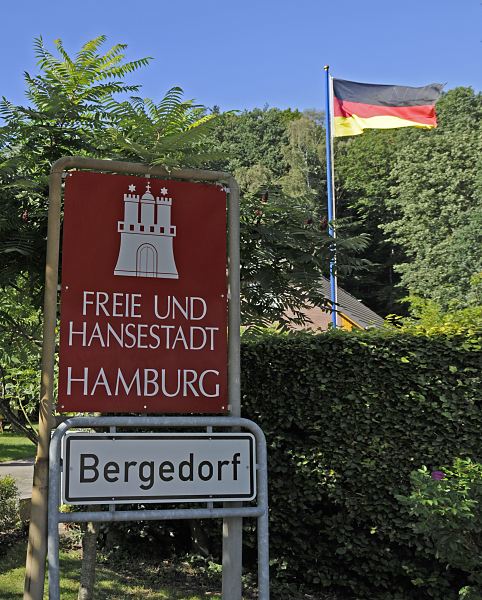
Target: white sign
(120, 468)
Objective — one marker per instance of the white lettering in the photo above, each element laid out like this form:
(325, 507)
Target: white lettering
(190, 308)
(212, 330)
(184, 311)
(101, 303)
(204, 308)
(119, 304)
(141, 336)
(116, 303)
(96, 333)
(168, 334)
(132, 336)
(152, 381)
(155, 336)
(156, 308)
(82, 333)
(113, 332)
(180, 337)
(164, 386)
(127, 389)
(85, 302)
(201, 384)
(147, 382)
(135, 305)
(84, 380)
(191, 338)
(189, 382)
(101, 380)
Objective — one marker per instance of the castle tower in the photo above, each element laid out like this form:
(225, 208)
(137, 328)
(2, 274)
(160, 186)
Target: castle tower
(131, 209)
(146, 248)
(147, 207)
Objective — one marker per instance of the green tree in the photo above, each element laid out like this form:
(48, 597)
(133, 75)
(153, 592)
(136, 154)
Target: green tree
(304, 153)
(172, 132)
(20, 343)
(66, 115)
(72, 110)
(255, 137)
(363, 175)
(287, 254)
(276, 156)
(437, 201)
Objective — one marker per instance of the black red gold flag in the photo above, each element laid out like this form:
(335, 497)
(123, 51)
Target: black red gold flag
(360, 106)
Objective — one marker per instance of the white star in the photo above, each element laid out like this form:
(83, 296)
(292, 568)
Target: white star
(164, 191)
(132, 188)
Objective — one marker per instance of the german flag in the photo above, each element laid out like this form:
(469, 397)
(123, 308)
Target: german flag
(360, 106)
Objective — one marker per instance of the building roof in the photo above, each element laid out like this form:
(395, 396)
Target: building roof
(353, 308)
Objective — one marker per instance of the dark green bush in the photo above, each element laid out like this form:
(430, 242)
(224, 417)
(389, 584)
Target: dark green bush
(348, 417)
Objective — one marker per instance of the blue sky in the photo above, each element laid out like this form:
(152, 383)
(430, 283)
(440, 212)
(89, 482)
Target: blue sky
(250, 53)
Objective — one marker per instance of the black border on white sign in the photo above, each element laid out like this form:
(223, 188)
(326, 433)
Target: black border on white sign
(69, 438)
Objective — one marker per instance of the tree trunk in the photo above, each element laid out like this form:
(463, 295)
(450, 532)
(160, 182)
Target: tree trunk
(89, 552)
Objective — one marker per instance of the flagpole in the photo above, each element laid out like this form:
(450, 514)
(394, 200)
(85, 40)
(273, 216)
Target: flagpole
(330, 188)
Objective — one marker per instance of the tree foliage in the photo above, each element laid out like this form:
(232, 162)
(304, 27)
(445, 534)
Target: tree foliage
(305, 156)
(80, 104)
(66, 115)
(277, 158)
(427, 317)
(73, 108)
(408, 201)
(20, 343)
(172, 132)
(287, 257)
(364, 177)
(437, 201)
(445, 505)
(255, 137)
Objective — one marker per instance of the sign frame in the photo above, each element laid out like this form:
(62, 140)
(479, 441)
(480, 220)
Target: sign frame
(229, 510)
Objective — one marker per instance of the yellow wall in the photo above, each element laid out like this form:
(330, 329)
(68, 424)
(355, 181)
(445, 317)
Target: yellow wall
(346, 323)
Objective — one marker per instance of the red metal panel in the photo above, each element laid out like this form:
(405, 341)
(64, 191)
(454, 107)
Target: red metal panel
(144, 296)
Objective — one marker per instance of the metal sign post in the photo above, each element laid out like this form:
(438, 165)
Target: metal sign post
(260, 511)
(146, 258)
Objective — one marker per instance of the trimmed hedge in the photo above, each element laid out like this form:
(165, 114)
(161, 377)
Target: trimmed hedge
(347, 417)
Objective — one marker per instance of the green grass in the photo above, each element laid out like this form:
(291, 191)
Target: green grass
(130, 580)
(14, 447)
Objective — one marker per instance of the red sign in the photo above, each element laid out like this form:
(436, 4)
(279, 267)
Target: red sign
(144, 296)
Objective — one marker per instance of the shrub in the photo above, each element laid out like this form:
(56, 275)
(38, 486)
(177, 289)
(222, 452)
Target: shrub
(447, 504)
(9, 516)
(348, 417)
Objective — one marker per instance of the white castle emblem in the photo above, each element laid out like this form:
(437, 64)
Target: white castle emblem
(146, 248)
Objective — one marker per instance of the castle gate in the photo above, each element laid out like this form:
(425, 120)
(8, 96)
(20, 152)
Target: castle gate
(146, 263)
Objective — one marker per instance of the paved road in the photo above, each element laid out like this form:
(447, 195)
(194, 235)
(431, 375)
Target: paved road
(22, 471)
